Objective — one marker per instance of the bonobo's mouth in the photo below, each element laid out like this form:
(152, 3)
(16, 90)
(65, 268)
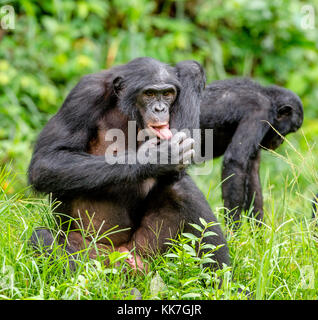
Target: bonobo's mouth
(272, 143)
(161, 130)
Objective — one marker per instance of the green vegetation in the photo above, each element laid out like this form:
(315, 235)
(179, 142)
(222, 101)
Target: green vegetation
(54, 43)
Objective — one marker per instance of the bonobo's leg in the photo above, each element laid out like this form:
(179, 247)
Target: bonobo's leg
(254, 189)
(43, 238)
(76, 241)
(73, 244)
(170, 208)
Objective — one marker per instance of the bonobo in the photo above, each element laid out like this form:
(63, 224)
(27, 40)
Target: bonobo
(150, 201)
(242, 114)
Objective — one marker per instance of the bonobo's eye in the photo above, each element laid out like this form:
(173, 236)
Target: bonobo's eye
(168, 93)
(284, 111)
(149, 93)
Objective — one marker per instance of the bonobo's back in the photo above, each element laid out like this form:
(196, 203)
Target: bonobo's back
(221, 101)
(227, 101)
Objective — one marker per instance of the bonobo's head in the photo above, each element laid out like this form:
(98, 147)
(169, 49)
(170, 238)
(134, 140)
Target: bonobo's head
(147, 90)
(288, 115)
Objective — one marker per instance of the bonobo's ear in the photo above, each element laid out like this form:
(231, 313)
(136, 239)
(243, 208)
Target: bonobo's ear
(284, 111)
(118, 84)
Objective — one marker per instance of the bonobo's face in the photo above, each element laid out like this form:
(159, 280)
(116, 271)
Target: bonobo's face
(154, 103)
(288, 117)
(146, 90)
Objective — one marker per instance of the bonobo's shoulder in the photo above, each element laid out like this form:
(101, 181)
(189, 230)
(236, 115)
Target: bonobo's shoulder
(274, 91)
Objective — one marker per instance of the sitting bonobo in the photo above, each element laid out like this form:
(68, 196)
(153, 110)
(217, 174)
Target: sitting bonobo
(105, 183)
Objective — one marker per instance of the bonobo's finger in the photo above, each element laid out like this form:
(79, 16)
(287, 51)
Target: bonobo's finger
(147, 152)
(186, 145)
(178, 137)
(151, 143)
(187, 156)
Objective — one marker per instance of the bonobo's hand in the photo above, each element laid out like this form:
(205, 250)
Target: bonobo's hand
(173, 154)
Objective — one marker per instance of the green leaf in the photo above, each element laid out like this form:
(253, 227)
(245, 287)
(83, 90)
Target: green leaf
(195, 226)
(191, 295)
(209, 234)
(203, 222)
(190, 236)
(171, 255)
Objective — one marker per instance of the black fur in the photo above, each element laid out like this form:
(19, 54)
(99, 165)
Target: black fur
(43, 239)
(241, 113)
(62, 165)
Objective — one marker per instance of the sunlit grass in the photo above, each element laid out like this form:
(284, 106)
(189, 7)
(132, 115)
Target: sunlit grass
(276, 261)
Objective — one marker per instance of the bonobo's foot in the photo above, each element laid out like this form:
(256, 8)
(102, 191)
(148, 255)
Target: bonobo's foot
(134, 261)
(42, 239)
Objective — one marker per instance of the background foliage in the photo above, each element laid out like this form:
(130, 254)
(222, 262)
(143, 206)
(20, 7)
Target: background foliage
(56, 42)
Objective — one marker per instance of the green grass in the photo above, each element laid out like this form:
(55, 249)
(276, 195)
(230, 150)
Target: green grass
(56, 42)
(276, 261)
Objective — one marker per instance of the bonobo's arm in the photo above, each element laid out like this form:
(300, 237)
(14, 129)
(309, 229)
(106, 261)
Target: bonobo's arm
(186, 111)
(254, 189)
(60, 163)
(238, 161)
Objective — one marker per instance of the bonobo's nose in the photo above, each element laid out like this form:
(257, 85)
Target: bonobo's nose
(159, 107)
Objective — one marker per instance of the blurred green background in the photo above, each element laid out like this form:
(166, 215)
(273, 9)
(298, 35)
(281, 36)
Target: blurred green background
(56, 42)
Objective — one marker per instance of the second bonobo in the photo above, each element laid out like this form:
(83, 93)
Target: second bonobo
(242, 114)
